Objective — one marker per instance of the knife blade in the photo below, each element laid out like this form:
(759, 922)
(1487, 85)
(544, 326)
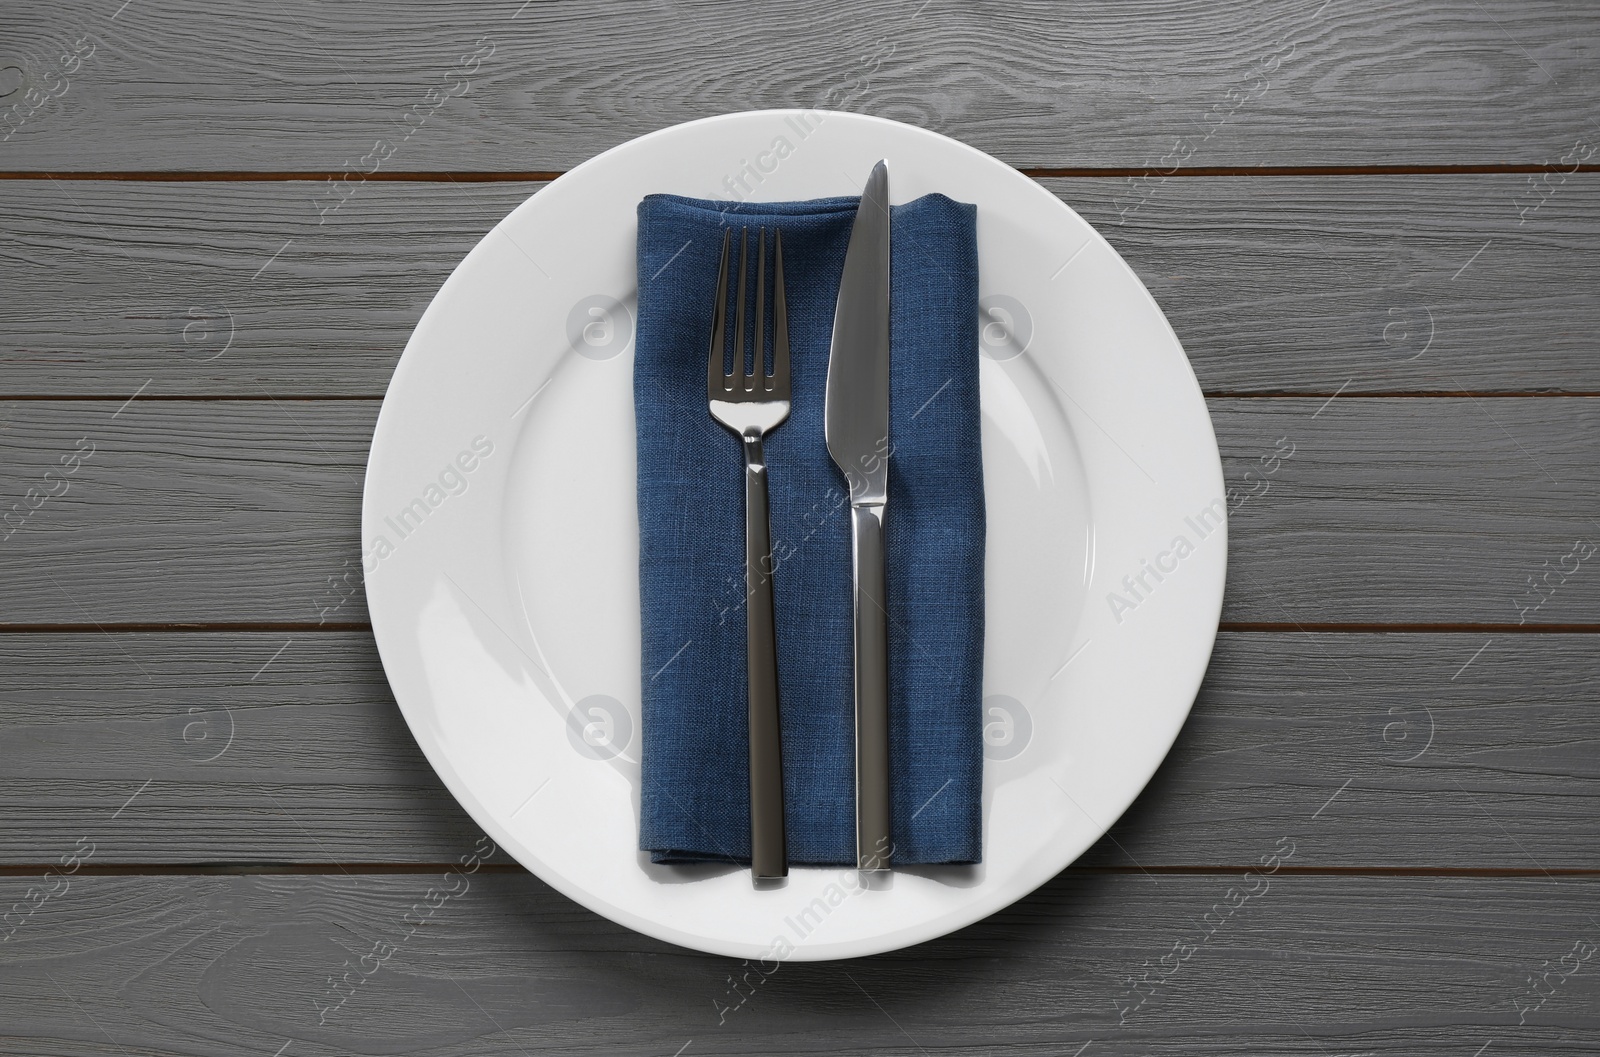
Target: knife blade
(856, 426)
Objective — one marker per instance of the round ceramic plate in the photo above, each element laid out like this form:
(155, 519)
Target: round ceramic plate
(500, 536)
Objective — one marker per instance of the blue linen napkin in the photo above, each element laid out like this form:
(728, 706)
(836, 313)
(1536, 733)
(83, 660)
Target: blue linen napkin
(694, 804)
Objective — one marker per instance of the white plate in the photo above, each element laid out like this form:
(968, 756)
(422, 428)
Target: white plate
(506, 603)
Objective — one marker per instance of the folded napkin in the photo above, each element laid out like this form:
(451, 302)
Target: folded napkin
(694, 804)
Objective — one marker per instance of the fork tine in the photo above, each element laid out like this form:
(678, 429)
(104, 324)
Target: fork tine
(716, 373)
(758, 365)
(738, 354)
(780, 322)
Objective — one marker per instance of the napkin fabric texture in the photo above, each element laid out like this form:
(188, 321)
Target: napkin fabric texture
(694, 804)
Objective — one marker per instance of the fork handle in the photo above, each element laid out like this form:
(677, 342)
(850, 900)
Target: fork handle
(768, 845)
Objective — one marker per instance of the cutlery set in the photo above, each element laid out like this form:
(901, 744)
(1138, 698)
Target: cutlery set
(751, 402)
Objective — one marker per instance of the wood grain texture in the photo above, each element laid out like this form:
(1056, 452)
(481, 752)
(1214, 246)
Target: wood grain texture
(1366, 284)
(175, 84)
(1311, 966)
(211, 747)
(1308, 284)
(225, 289)
(259, 751)
(249, 501)
(259, 816)
(1388, 511)
(1412, 510)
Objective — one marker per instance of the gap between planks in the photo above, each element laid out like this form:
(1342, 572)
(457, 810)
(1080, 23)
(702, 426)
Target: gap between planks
(1209, 394)
(1245, 627)
(1036, 172)
(410, 868)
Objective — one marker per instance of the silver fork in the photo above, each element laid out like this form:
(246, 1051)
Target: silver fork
(752, 403)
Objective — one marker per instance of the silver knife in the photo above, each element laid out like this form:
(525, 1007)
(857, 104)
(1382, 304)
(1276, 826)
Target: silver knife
(856, 414)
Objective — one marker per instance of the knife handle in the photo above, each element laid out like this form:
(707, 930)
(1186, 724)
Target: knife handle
(873, 846)
(768, 845)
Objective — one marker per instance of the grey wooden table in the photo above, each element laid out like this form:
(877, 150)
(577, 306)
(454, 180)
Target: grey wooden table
(1373, 224)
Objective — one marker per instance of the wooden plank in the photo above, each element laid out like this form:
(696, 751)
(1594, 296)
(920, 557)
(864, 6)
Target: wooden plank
(1412, 510)
(1419, 751)
(1366, 284)
(1388, 510)
(225, 289)
(177, 85)
(258, 748)
(1373, 284)
(171, 503)
(1309, 966)
(1412, 751)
